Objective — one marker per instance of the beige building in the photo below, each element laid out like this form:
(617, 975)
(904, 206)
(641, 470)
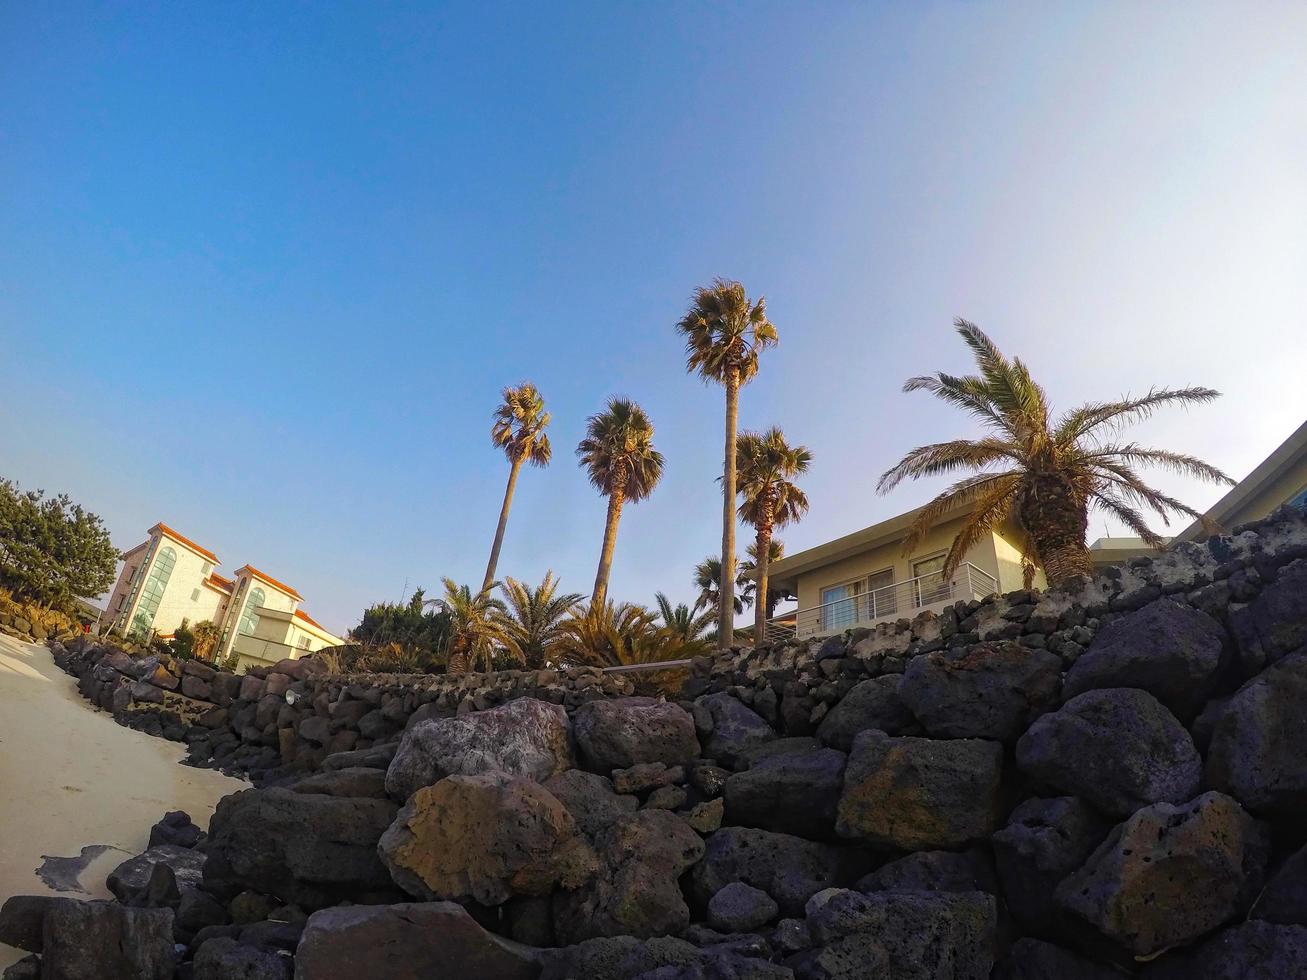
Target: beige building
(866, 578)
(168, 579)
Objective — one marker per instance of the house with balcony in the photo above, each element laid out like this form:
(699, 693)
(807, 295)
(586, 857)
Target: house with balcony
(865, 577)
(168, 579)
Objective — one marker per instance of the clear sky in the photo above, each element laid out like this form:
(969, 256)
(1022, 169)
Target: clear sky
(264, 267)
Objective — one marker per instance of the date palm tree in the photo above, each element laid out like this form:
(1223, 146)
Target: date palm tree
(681, 620)
(1039, 473)
(770, 499)
(474, 629)
(530, 623)
(749, 569)
(519, 430)
(708, 580)
(619, 456)
(724, 332)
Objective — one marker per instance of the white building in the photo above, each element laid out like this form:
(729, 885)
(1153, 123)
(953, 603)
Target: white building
(168, 579)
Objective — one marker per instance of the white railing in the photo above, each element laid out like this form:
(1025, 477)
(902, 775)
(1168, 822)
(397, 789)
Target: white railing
(902, 599)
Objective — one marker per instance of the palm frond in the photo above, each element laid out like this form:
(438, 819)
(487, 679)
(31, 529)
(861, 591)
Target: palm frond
(946, 457)
(1080, 422)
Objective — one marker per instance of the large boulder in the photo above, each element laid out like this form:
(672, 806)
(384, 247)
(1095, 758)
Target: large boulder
(407, 942)
(625, 732)
(132, 877)
(524, 737)
(22, 919)
(176, 827)
(919, 793)
(304, 848)
(485, 838)
(1044, 841)
(356, 781)
(1170, 650)
(1118, 748)
(1033, 959)
(1284, 899)
(741, 908)
(791, 793)
(934, 871)
(103, 940)
(789, 869)
(871, 703)
(618, 958)
(736, 729)
(590, 799)
(1274, 624)
(224, 958)
(1256, 754)
(1169, 874)
(1247, 951)
(913, 935)
(989, 690)
(636, 892)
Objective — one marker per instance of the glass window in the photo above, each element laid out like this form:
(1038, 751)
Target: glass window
(156, 583)
(882, 599)
(1300, 500)
(928, 579)
(838, 610)
(250, 616)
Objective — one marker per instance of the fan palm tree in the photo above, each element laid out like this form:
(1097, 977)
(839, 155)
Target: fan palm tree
(767, 466)
(749, 569)
(519, 430)
(683, 621)
(708, 580)
(530, 623)
(724, 332)
(1038, 473)
(474, 630)
(619, 455)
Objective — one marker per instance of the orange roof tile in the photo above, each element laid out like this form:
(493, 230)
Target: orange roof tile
(301, 614)
(216, 581)
(270, 580)
(169, 532)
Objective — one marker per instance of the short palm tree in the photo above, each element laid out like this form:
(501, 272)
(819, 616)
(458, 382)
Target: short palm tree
(1038, 473)
(724, 332)
(618, 454)
(604, 634)
(530, 623)
(749, 568)
(683, 621)
(519, 430)
(708, 580)
(770, 499)
(474, 628)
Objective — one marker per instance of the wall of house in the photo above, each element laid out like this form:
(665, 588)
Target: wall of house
(1011, 576)
(937, 542)
(1290, 483)
(123, 587)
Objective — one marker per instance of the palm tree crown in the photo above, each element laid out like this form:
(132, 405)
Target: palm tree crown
(708, 580)
(530, 624)
(519, 426)
(474, 630)
(683, 621)
(1040, 474)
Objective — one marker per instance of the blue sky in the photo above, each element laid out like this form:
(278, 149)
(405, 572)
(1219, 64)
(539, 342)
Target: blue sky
(265, 267)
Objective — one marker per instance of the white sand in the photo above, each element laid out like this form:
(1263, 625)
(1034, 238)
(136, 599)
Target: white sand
(70, 776)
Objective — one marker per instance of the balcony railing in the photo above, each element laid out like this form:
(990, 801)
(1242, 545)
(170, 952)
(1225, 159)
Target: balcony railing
(902, 599)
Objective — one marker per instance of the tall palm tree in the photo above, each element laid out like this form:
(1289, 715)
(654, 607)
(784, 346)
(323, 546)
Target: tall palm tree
(683, 621)
(1039, 473)
(749, 569)
(708, 580)
(530, 624)
(770, 499)
(724, 333)
(619, 455)
(519, 430)
(474, 630)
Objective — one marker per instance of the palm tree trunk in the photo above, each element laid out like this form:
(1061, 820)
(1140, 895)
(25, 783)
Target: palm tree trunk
(503, 524)
(1057, 521)
(600, 593)
(726, 590)
(760, 607)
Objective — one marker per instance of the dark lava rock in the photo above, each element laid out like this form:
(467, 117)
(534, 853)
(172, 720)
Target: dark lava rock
(920, 793)
(616, 958)
(621, 733)
(355, 781)
(1274, 624)
(22, 919)
(1119, 748)
(590, 799)
(407, 942)
(1170, 873)
(1257, 752)
(227, 959)
(735, 729)
(1033, 959)
(1249, 951)
(873, 703)
(790, 793)
(103, 940)
(176, 828)
(132, 877)
(1170, 650)
(990, 690)
(741, 908)
(934, 871)
(1284, 900)
(789, 869)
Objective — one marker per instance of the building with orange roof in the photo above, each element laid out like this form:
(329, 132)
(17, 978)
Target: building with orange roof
(169, 579)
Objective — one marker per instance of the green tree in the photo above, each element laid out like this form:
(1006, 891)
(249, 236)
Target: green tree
(769, 499)
(530, 623)
(519, 430)
(411, 628)
(724, 333)
(619, 456)
(207, 633)
(52, 550)
(708, 580)
(682, 621)
(475, 630)
(183, 642)
(1038, 473)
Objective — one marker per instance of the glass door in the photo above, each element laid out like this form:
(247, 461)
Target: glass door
(838, 610)
(928, 581)
(882, 598)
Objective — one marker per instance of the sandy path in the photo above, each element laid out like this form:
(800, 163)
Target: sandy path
(71, 777)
